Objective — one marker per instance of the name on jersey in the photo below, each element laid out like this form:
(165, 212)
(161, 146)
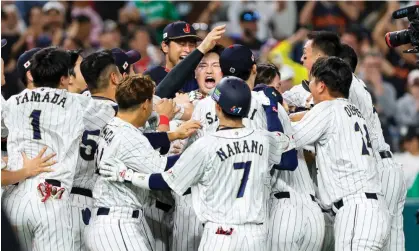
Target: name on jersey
(108, 135)
(213, 118)
(227, 151)
(43, 98)
(351, 110)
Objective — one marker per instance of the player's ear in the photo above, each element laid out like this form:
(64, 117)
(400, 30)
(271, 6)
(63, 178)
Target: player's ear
(165, 47)
(64, 82)
(254, 69)
(29, 76)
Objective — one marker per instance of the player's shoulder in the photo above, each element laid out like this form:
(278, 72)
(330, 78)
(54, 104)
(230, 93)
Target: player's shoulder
(156, 73)
(206, 102)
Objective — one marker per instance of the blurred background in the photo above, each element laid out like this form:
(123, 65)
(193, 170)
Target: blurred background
(274, 30)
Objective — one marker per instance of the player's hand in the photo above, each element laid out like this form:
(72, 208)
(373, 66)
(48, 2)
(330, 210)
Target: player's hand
(176, 147)
(39, 164)
(114, 170)
(186, 129)
(295, 117)
(182, 98)
(166, 107)
(211, 39)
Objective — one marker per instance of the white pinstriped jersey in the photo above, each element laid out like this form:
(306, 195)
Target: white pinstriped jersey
(228, 172)
(123, 141)
(343, 150)
(361, 98)
(4, 130)
(85, 177)
(47, 117)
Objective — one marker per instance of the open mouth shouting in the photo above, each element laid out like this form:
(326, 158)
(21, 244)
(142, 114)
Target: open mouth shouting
(209, 82)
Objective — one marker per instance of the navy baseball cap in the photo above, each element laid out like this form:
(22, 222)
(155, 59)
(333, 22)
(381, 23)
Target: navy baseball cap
(124, 59)
(179, 29)
(24, 62)
(249, 16)
(3, 42)
(236, 60)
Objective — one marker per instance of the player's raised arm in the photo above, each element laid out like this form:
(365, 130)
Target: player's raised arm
(176, 78)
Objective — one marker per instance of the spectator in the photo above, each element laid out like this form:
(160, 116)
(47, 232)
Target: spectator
(286, 13)
(28, 40)
(328, 15)
(79, 33)
(83, 8)
(110, 37)
(383, 91)
(157, 14)
(401, 63)
(54, 16)
(409, 159)
(408, 105)
(249, 28)
(140, 41)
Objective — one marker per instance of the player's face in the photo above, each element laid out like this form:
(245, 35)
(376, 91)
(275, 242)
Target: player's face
(179, 49)
(3, 78)
(77, 83)
(276, 83)
(307, 59)
(208, 73)
(316, 88)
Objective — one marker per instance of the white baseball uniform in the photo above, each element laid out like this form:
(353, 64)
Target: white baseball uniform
(393, 184)
(347, 178)
(37, 118)
(118, 208)
(295, 219)
(228, 172)
(85, 177)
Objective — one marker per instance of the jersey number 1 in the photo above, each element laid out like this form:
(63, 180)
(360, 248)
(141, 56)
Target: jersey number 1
(246, 167)
(367, 136)
(35, 115)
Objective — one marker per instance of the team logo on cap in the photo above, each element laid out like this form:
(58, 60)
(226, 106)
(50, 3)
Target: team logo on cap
(27, 64)
(253, 58)
(125, 65)
(235, 109)
(216, 95)
(232, 70)
(164, 35)
(187, 28)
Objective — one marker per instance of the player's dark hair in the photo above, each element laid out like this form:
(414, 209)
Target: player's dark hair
(348, 54)
(133, 91)
(326, 41)
(266, 74)
(335, 73)
(218, 49)
(48, 66)
(95, 66)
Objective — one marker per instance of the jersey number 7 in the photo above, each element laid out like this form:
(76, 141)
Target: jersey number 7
(246, 167)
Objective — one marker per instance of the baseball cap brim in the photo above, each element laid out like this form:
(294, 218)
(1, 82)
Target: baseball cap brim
(133, 56)
(3, 42)
(186, 36)
(305, 84)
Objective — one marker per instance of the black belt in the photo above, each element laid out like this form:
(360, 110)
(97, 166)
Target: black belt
(385, 154)
(82, 191)
(105, 211)
(371, 196)
(56, 183)
(284, 195)
(162, 206)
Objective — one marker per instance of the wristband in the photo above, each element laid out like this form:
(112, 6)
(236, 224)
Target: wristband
(164, 120)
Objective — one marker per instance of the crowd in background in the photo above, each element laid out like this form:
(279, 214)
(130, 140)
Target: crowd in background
(274, 31)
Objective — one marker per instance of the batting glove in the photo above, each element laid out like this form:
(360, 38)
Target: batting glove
(115, 170)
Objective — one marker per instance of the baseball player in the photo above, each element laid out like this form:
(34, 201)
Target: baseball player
(391, 175)
(99, 72)
(231, 203)
(347, 179)
(45, 116)
(77, 84)
(179, 39)
(117, 212)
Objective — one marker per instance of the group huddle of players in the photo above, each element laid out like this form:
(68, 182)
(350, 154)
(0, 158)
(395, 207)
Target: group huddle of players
(194, 156)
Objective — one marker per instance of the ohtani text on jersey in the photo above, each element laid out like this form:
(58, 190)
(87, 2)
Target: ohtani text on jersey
(227, 150)
(352, 110)
(41, 97)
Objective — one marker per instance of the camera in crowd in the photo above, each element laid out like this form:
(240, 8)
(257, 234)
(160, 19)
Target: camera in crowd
(409, 35)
